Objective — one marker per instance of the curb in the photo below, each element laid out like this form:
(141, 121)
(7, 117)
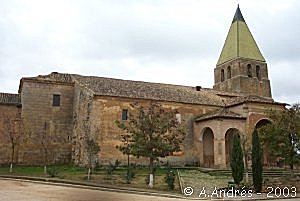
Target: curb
(94, 186)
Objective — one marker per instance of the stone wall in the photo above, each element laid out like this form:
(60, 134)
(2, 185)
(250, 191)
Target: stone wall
(10, 115)
(41, 118)
(106, 110)
(239, 81)
(82, 109)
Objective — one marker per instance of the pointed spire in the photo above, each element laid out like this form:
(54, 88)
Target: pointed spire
(238, 15)
(239, 42)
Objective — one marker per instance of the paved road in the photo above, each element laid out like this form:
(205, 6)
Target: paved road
(28, 191)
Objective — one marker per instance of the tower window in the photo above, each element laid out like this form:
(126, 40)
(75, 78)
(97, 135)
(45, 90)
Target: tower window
(258, 75)
(124, 114)
(56, 100)
(222, 75)
(249, 70)
(228, 72)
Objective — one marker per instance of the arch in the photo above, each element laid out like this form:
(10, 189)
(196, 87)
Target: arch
(228, 72)
(249, 70)
(258, 74)
(260, 123)
(208, 147)
(222, 75)
(229, 142)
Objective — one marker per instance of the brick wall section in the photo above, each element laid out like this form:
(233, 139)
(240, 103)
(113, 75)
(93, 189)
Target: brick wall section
(39, 113)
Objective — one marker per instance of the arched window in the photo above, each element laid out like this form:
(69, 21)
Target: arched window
(222, 75)
(249, 70)
(228, 72)
(258, 72)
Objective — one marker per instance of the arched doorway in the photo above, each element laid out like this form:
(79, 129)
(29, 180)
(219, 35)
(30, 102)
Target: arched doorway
(208, 147)
(229, 143)
(266, 158)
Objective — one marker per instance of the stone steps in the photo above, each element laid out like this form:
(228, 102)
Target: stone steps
(266, 173)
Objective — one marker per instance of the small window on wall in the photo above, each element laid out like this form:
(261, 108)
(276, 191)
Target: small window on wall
(124, 114)
(222, 75)
(56, 100)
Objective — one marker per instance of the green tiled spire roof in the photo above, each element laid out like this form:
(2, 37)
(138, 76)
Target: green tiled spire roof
(239, 42)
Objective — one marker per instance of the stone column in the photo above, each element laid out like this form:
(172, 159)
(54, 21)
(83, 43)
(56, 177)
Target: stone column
(219, 152)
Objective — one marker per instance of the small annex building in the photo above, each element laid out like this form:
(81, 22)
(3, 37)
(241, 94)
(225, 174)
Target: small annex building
(69, 108)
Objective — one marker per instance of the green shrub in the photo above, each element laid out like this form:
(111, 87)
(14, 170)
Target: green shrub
(170, 179)
(237, 162)
(112, 167)
(52, 171)
(130, 173)
(257, 167)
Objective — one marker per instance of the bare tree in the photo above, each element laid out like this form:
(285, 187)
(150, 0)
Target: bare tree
(92, 152)
(46, 140)
(14, 134)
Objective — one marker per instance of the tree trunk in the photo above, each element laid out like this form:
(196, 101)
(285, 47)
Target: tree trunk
(151, 176)
(45, 161)
(11, 168)
(12, 159)
(128, 161)
(246, 167)
(89, 173)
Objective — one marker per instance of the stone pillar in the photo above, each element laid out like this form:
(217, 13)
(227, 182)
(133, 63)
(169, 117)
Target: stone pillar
(219, 152)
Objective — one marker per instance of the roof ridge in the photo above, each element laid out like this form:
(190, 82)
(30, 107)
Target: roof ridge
(138, 81)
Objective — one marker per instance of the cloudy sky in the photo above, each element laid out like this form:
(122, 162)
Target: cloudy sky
(166, 41)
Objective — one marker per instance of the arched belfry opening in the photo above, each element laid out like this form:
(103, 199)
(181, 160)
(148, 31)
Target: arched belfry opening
(230, 133)
(208, 147)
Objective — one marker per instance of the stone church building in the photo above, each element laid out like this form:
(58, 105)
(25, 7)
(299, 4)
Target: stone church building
(68, 108)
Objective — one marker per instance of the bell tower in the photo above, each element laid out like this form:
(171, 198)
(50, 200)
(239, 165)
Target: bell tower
(241, 67)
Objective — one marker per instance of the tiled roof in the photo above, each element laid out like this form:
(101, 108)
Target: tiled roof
(57, 77)
(102, 86)
(220, 113)
(146, 90)
(250, 98)
(6, 98)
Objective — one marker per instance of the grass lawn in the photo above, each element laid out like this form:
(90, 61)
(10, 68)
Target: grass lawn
(99, 176)
(199, 180)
